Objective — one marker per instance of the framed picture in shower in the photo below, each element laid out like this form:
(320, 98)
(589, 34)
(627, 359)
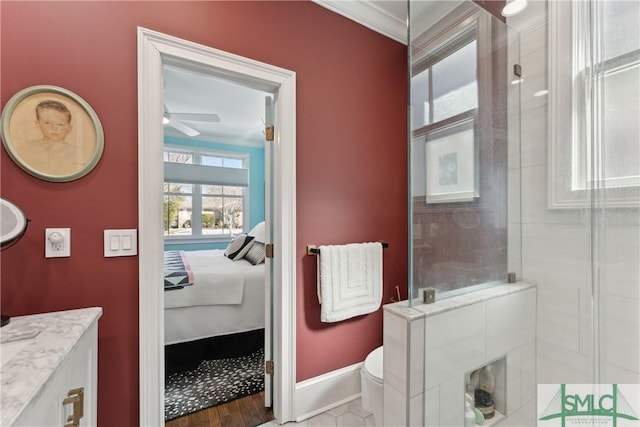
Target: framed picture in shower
(452, 163)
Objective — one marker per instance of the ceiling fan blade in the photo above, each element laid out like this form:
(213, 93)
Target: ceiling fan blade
(195, 117)
(183, 128)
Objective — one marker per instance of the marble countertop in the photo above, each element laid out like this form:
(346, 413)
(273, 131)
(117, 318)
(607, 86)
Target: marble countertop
(48, 338)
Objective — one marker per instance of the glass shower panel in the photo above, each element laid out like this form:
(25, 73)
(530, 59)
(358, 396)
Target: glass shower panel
(464, 149)
(616, 231)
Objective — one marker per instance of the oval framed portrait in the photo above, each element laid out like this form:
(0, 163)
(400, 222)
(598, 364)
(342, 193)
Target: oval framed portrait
(52, 133)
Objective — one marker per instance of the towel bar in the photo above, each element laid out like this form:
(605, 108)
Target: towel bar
(313, 250)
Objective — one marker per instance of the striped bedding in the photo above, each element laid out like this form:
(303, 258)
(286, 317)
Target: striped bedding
(177, 273)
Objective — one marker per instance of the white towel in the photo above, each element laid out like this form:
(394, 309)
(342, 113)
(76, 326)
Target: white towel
(349, 280)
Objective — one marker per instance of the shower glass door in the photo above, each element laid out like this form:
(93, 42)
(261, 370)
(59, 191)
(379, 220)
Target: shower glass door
(612, 75)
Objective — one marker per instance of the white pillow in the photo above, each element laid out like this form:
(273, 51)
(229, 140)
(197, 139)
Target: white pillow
(238, 247)
(257, 232)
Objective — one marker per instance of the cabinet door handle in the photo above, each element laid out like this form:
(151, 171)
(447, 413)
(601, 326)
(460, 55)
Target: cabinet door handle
(75, 398)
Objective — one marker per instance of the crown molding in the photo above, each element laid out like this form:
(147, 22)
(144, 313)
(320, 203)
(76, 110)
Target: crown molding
(369, 15)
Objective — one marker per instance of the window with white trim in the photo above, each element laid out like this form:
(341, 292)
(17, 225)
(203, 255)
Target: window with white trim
(449, 68)
(205, 194)
(594, 103)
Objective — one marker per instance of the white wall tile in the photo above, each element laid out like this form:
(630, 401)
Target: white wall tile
(557, 365)
(395, 350)
(416, 357)
(523, 417)
(534, 79)
(528, 382)
(514, 254)
(514, 379)
(416, 410)
(554, 272)
(620, 261)
(499, 369)
(534, 137)
(510, 322)
(454, 343)
(452, 402)
(534, 37)
(611, 374)
(621, 330)
(556, 255)
(395, 407)
(513, 195)
(521, 377)
(395, 327)
(513, 141)
(432, 407)
(558, 317)
(535, 201)
(586, 320)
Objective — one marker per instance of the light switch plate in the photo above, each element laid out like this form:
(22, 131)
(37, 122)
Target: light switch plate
(120, 242)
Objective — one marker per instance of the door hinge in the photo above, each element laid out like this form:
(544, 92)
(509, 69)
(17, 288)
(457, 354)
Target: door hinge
(268, 132)
(268, 250)
(268, 367)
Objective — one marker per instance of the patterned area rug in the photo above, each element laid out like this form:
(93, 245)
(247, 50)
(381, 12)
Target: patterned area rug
(212, 383)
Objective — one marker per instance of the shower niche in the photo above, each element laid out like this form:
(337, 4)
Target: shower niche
(486, 394)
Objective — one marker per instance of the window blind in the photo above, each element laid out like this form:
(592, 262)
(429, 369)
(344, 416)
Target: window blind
(184, 173)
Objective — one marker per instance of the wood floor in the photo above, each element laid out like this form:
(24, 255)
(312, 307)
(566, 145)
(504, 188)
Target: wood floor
(247, 411)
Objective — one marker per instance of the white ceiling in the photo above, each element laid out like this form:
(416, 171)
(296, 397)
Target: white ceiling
(241, 109)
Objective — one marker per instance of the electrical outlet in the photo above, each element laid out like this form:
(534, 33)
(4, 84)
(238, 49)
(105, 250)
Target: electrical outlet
(57, 242)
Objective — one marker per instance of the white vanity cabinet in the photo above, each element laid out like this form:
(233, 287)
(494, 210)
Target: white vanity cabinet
(52, 380)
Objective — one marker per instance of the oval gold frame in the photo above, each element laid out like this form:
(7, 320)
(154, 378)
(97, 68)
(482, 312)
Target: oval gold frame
(17, 128)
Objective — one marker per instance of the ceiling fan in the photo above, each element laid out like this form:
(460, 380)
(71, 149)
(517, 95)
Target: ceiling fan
(175, 120)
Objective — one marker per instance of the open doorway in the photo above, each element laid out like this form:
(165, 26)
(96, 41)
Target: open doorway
(155, 51)
(214, 220)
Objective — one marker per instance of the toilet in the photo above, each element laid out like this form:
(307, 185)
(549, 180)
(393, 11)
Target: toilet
(372, 386)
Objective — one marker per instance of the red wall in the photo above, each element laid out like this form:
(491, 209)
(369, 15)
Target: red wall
(351, 159)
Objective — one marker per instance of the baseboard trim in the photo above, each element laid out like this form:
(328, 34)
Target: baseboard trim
(325, 392)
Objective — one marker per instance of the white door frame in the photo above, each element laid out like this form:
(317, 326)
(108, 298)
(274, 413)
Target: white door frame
(154, 49)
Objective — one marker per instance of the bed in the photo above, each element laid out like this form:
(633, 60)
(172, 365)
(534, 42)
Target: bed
(208, 295)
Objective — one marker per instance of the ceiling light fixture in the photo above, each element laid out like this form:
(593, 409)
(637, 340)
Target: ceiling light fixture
(513, 7)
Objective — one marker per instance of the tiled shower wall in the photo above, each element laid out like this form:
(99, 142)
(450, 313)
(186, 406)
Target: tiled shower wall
(556, 250)
(428, 349)
(556, 257)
